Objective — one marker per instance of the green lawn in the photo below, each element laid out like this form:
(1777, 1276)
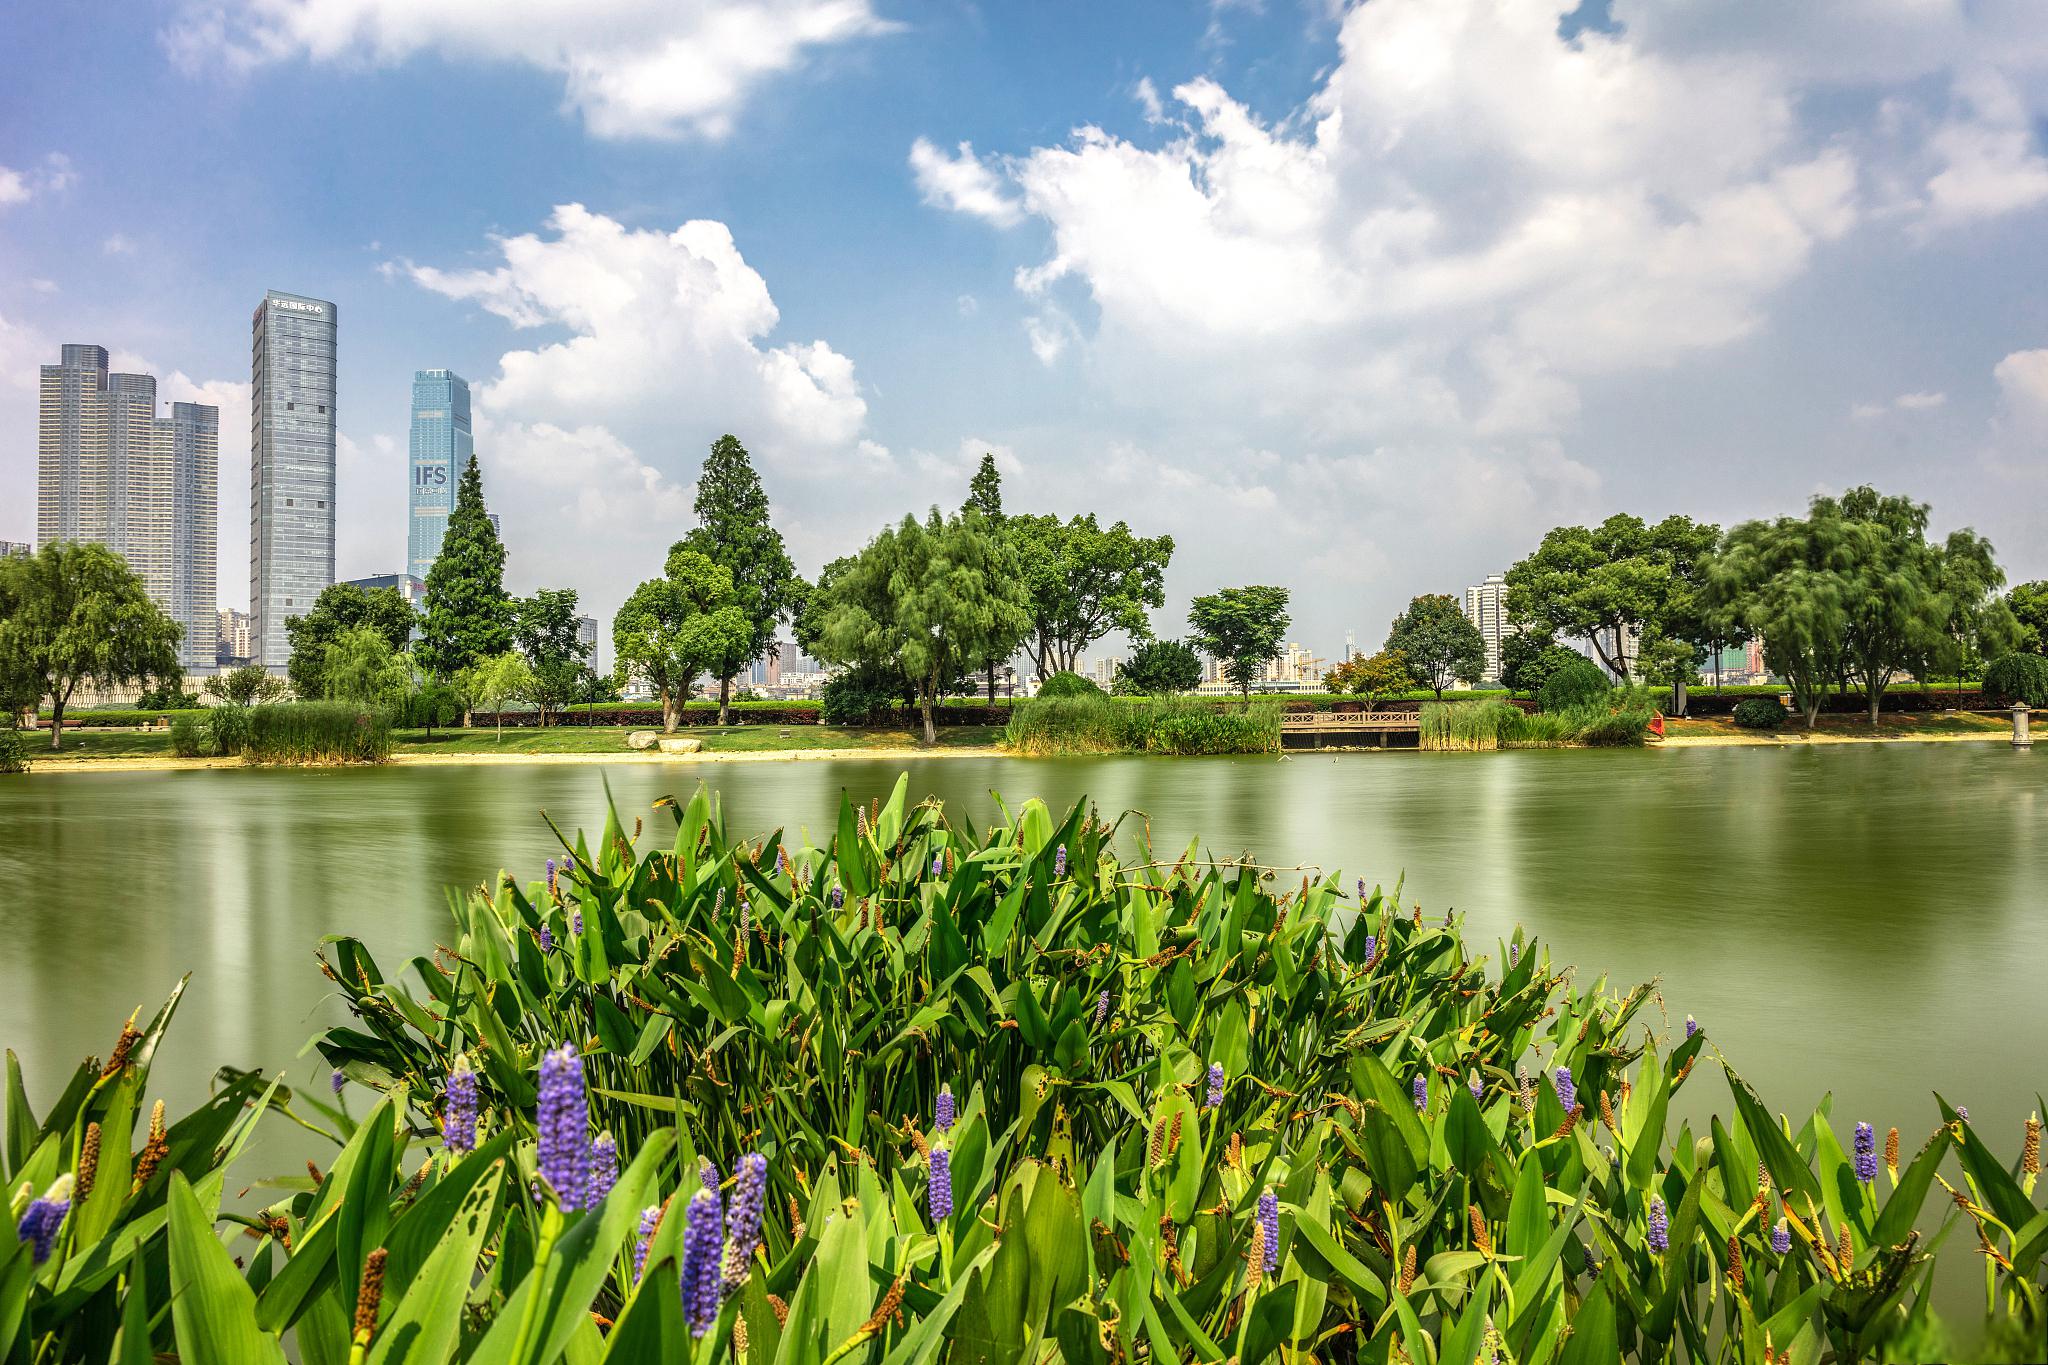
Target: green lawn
(1890, 725)
(101, 744)
(583, 739)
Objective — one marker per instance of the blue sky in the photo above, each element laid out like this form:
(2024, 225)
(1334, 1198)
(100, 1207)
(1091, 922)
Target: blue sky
(1356, 299)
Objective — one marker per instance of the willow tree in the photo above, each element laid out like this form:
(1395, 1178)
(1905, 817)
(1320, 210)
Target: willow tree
(927, 599)
(74, 613)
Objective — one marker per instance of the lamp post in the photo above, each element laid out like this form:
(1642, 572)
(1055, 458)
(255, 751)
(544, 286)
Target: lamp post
(2021, 739)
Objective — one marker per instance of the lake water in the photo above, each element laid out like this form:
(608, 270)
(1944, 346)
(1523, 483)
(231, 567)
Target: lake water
(1866, 920)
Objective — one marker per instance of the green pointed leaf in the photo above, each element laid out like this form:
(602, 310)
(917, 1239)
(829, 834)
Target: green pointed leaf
(213, 1312)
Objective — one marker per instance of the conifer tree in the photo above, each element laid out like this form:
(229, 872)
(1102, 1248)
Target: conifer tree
(469, 614)
(736, 536)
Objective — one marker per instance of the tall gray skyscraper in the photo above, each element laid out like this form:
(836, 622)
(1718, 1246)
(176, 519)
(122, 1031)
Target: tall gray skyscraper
(1486, 606)
(110, 470)
(291, 465)
(440, 446)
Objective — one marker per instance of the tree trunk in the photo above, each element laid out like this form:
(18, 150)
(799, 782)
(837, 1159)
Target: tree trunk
(1678, 697)
(669, 708)
(468, 717)
(991, 682)
(931, 733)
(724, 699)
(56, 721)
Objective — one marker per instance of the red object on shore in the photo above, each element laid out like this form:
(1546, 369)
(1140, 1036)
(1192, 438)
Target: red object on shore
(1657, 725)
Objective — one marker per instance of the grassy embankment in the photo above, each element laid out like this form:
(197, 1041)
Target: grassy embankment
(1890, 725)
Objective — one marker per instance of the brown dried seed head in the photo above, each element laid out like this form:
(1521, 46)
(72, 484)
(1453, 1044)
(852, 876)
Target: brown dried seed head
(2030, 1150)
(1408, 1269)
(123, 1045)
(1607, 1113)
(369, 1295)
(88, 1163)
(1571, 1121)
(1845, 1251)
(1891, 1150)
(1173, 1133)
(885, 1310)
(314, 1171)
(780, 1308)
(1735, 1264)
(1255, 1259)
(796, 1221)
(739, 1337)
(1158, 1144)
(1481, 1238)
(924, 1149)
(1169, 1242)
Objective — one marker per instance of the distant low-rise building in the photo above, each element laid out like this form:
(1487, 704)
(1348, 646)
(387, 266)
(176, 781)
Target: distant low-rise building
(235, 647)
(412, 589)
(16, 549)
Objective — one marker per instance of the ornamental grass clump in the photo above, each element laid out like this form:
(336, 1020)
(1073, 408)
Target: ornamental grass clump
(938, 1151)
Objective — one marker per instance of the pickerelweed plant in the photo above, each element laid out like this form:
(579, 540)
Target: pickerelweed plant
(863, 1105)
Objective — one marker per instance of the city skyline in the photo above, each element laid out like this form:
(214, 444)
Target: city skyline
(1194, 267)
(110, 469)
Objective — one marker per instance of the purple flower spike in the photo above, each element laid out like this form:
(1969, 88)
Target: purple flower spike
(1101, 1008)
(707, 1174)
(1963, 1112)
(43, 1217)
(940, 1193)
(1372, 950)
(1866, 1153)
(1692, 1026)
(781, 861)
(337, 1082)
(564, 1124)
(938, 863)
(576, 923)
(1361, 891)
(604, 1169)
(547, 941)
(1476, 1086)
(1567, 1089)
(1660, 1224)
(1421, 1091)
(703, 1238)
(743, 1228)
(1059, 861)
(551, 876)
(458, 1116)
(943, 1112)
(1514, 955)
(1269, 1220)
(650, 1219)
(838, 897)
(1215, 1096)
(1781, 1238)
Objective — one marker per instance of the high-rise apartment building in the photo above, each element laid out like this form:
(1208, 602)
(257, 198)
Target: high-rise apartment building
(586, 635)
(291, 465)
(1486, 606)
(440, 446)
(234, 637)
(110, 470)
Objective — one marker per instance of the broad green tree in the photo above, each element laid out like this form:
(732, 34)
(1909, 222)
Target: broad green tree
(1159, 668)
(1084, 581)
(339, 609)
(1242, 627)
(489, 683)
(1603, 583)
(469, 613)
(73, 613)
(1782, 581)
(244, 686)
(674, 627)
(1376, 678)
(544, 628)
(1527, 657)
(1439, 642)
(929, 599)
(362, 667)
(736, 535)
(2029, 606)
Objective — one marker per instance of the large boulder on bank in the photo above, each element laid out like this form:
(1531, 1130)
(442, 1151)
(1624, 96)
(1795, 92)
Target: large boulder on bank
(679, 745)
(642, 739)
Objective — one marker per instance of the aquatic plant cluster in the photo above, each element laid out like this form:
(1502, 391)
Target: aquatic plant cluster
(779, 1101)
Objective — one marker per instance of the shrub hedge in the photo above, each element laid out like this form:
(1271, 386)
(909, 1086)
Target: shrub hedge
(1759, 713)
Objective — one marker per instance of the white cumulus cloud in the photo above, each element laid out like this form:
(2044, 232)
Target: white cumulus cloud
(630, 68)
(960, 182)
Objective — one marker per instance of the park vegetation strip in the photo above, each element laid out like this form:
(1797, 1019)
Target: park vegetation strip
(999, 1094)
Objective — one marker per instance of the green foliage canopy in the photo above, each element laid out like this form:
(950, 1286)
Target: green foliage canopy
(930, 599)
(75, 612)
(339, 609)
(1599, 583)
(1084, 581)
(361, 667)
(2028, 604)
(469, 613)
(1243, 627)
(1159, 668)
(1439, 642)
(1375, 677)
(674, 627)
(736, 535)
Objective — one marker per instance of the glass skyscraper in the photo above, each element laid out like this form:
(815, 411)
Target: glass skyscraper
(291, 465)
(440, 447)
(110, 470)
